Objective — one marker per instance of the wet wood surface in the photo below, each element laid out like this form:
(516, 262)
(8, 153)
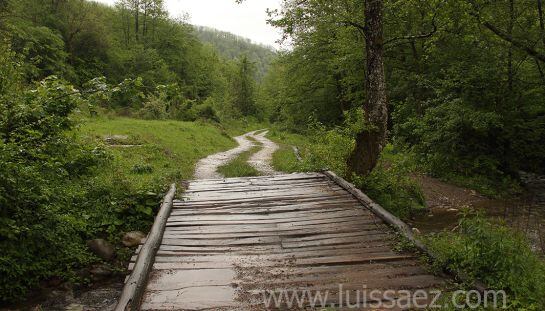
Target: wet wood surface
(231, 241)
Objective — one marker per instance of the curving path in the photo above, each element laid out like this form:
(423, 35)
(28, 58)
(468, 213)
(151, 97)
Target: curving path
(207, 168)
(262, 159)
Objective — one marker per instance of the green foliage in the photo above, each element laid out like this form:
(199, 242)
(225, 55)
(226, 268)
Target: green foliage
(43, 50)
(42, 235)
(393, 188)
(466, 102)
(496, 255)
(243, 88)
(233, 47)
(153, 66)
(390, 184)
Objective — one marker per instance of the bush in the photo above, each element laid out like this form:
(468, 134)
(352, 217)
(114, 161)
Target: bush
(52, 197)
(394, 190)
(154, 109)
(493, 253)
(389, 184)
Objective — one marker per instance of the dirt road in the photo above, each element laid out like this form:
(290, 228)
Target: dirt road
(207, 168)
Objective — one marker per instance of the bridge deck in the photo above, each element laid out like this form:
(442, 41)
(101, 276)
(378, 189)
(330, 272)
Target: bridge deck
(230, 240)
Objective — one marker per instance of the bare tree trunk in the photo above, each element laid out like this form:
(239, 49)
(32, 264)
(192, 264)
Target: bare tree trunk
(371, 140)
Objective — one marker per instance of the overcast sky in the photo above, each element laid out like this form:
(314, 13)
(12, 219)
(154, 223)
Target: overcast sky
(247, 19)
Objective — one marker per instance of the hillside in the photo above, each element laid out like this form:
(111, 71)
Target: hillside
(232, 46)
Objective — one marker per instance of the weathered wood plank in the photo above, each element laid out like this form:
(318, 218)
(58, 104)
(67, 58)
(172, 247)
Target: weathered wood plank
(135, 285)
(236, 237)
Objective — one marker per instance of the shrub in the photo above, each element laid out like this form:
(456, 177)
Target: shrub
(393, 189)
(154, 109)
(493, 253)
(206, 112)
(52, 197)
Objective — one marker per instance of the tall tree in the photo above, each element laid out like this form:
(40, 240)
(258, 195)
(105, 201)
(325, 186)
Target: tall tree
(371, 140)
(243, 87)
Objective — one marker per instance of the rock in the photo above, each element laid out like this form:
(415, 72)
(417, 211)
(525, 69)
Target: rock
(74, 307)
(116, 139)
(101, 270)
(416, 231)
(102, 248)
(452, 210)
(133, 238)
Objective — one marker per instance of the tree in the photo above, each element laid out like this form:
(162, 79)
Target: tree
(302, 18)
(243, 87)
(371, 140)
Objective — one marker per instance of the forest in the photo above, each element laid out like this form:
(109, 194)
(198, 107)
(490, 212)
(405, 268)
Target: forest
(375, 90)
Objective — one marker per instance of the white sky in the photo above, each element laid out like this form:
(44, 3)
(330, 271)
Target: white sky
(247, 19)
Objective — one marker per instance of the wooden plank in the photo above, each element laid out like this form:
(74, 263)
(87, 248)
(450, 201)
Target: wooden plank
(236, 237)
(331, 212)
(296, 233)
(261, 262)
(134, 287)
(317, 218)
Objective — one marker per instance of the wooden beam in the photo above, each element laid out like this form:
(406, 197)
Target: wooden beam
(134, 288)
(377, 210)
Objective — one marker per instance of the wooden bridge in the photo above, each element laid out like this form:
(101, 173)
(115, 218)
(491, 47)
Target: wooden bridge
(231, 243)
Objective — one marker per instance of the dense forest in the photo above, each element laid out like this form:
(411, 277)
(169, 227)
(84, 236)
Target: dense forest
(232, 46)
(455, 88)
(464, 80)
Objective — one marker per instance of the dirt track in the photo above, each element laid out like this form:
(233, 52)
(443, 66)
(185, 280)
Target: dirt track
(207, 168)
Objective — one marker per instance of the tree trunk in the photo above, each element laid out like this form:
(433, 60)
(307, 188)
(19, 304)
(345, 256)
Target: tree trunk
(371, 140)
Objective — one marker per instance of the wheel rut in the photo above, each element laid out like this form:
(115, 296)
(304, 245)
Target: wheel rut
(207, 168)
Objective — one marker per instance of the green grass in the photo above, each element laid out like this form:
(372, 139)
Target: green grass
(284, 160)
(239, 167)
(168, 151)
(495, 254)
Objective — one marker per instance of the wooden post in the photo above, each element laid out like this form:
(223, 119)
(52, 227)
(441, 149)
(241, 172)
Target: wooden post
(134, 288)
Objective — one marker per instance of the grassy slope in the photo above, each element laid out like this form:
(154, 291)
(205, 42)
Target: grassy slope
(169, 149)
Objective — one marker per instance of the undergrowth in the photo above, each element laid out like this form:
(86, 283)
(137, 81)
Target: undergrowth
(389, 184)
(496, 255)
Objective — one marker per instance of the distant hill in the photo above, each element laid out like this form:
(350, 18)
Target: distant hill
(232, 46)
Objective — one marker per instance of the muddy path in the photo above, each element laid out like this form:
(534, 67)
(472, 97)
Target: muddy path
(207, 168)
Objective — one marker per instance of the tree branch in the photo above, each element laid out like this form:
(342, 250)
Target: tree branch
(505, 36)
